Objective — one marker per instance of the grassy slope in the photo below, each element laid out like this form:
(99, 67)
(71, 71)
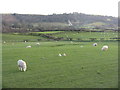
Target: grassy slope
(47, 70)
(86, 35)
(50, 32)
(74, 35)
(11, 37)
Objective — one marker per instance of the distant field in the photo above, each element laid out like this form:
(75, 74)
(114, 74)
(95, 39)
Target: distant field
(13, 37)
(87, 35)
(83, 67)
(34, 36)
(49, 32)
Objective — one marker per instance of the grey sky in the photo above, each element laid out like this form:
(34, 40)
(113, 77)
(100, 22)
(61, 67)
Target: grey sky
(96, 7)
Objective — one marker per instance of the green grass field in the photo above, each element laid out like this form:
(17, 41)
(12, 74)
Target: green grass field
(83, 67)
(16, 38)
(57, 34)
(87, 35)
(49, 32)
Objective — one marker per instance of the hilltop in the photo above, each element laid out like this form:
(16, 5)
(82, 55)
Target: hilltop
(66, 21)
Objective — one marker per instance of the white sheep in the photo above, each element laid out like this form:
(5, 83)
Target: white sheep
(64, 54)
(105, 48)
(13, 44)
(4, 42)
(38, 43)
(22, 65)
(59, 54)
(95, 44)
(81, 46)
(28, 47)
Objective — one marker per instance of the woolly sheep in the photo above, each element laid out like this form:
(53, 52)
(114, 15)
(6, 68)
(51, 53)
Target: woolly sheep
(60, 54)
(105, 48)
(4, 42)
(64, 54)
(94, 44)
(81, 46)
(37, 43)
(28, 47)
(22, 65)
(13, 44)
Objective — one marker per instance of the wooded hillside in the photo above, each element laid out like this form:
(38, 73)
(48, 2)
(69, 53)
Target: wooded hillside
(71, 21)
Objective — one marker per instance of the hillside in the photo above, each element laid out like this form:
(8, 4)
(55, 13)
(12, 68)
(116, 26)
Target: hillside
(28, 22)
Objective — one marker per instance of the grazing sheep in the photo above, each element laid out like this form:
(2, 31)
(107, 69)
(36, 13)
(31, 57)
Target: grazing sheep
(4, 42)
(94, 44)
(105, 48)
(28, 47)
(64, 54)
(60, 54)
(71, 42)
(37, 43)
(22, 65)
(13, 44)
(81, 46)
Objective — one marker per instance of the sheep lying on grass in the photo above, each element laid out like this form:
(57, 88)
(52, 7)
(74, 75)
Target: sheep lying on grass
(81, 46)
(28, 47)
(105, 48)
(59, 54)
(22, 65)
(4, 42)
(38, 43)
(62, 54)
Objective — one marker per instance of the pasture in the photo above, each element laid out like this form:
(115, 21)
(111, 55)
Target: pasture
(87, 35)
(19, 38)
(83, 67)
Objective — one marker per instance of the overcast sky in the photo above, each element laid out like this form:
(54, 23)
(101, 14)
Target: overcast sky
(96, 7)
